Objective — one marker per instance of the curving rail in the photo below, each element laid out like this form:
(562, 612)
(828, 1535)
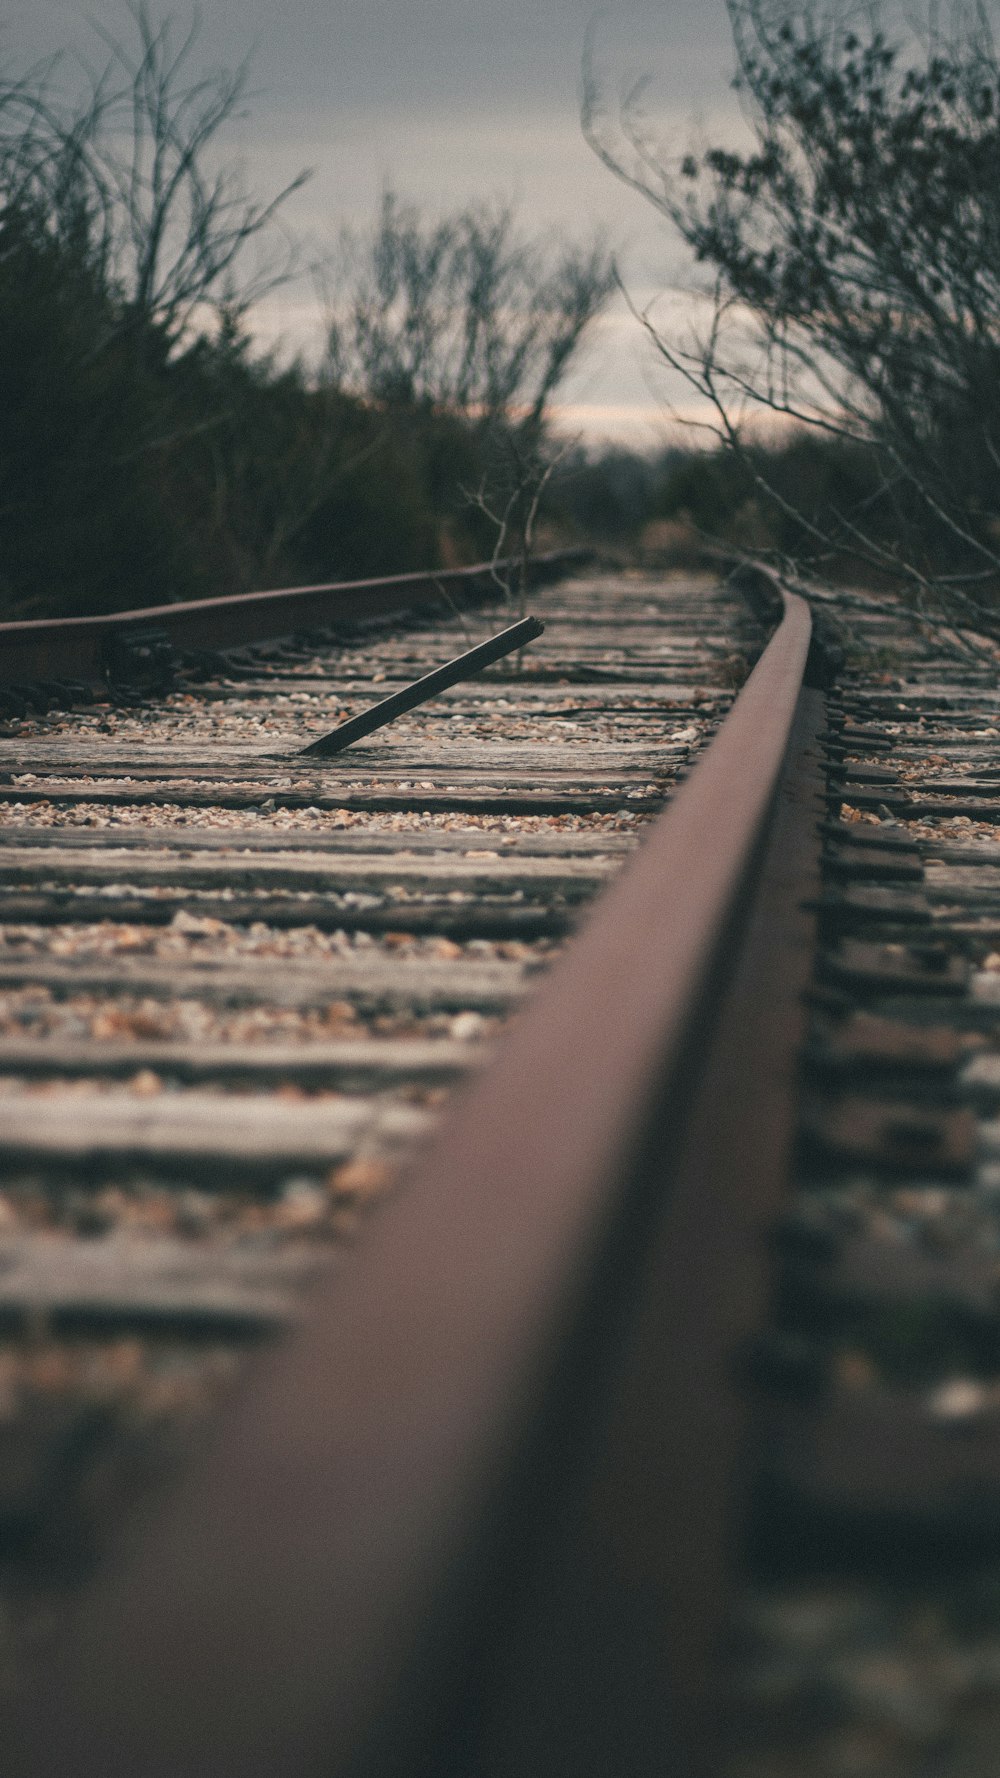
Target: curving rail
(473, 1516)
(88, 648)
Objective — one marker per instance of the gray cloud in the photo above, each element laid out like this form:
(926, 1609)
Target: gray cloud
(448, 100)
(394, 53)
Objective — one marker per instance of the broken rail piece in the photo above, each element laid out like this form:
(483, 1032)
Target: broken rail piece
(462, 667)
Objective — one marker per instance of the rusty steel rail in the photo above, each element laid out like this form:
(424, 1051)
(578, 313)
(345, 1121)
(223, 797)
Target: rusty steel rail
(470, 1518)
(76, 648)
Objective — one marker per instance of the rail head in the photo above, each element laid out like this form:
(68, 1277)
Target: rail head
(41, 649)
(318, 1589)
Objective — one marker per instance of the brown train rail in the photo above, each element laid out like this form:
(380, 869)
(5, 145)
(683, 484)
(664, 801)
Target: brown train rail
(471, 1518)
(77, 648)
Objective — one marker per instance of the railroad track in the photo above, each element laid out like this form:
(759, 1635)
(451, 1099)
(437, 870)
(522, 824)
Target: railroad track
(866, 1630)
(236, 984)
(649, 1423)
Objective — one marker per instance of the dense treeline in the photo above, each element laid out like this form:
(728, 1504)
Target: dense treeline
(134, 472)
(687, 507)
(131, 475)
(148, 451)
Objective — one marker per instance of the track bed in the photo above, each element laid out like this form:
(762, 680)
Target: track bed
(237, 987)
(867, 1637)
(646, 1412)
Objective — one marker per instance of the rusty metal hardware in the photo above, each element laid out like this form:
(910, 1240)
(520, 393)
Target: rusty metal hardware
(980, 781)
(863, 1274)
(865, 1045)
(785, 1364)
(805, 1233)
(885, 1462)
(462, 667)
(978, 801)
(139, 660)
(860, 905)
(894, 1138)
(850, 735)
(895, 864)
(914, 968)
(860, 774)
(877, 837)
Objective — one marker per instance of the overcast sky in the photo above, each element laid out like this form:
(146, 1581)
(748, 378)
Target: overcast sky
(446, 100)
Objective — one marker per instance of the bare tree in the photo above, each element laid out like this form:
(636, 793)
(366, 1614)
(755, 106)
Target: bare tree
(510, 497)
(464, 317)
(461, 314)
(128, 174)
(851, 259)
